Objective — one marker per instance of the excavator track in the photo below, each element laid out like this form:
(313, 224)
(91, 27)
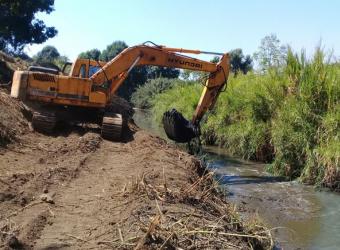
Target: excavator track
(112, 126)
(44, 122)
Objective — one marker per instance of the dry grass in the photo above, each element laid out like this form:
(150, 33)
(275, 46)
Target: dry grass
(193, 217)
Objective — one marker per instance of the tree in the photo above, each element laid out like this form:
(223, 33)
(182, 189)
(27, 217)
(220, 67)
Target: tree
(50, 57)
(47, 55)
(239, 62)
(144, 94)
(112, 50)
(271, 52)
(60, 62)
(19, 26)
(137, 76)
(90, 54)
(216, 59)
(165, 72)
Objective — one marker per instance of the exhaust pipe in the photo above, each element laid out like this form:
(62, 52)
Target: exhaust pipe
(177, 128)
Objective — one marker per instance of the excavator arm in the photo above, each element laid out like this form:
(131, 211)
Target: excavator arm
(116, 71)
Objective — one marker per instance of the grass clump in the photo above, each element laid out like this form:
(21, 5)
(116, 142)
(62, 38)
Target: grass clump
(323, 161)
(305, 130)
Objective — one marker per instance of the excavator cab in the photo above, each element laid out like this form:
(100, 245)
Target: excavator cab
(85, 68)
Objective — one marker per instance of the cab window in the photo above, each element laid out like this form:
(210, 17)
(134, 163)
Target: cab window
(93, 70)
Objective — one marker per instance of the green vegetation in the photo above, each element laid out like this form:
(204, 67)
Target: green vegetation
(240, 62)
(144, 95)
(271, 53)
(19, 25)
(182, 96)
(112, 50)
(289, 116)
(50, 57)
(90, 54)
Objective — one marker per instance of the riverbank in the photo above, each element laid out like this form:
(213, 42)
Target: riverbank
(75, 190)
(304, 218)
(284, 206)
(288, 117)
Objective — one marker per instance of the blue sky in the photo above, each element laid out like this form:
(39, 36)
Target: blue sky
(196, 24)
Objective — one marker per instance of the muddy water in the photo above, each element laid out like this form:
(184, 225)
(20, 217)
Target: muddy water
(300, 217)
(304, 218)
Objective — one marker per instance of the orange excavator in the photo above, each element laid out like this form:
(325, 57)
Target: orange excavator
(86, 93)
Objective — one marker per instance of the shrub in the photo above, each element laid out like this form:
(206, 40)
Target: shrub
(323, 162)
(241, 119)
(183, 96)
(145, 94)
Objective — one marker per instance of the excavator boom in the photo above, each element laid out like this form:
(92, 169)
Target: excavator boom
(118, 68)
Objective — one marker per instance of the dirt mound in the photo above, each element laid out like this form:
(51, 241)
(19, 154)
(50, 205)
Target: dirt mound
(13, 123)
(8, 65)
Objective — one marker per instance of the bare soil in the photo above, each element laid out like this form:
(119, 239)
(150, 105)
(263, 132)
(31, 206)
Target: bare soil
(8, 65)
(13, 123)
(74, 190)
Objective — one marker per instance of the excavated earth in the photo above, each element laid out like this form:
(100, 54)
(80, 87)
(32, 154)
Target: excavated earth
(74, 190)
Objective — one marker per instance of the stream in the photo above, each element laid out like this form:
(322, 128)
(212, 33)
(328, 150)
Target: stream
(300, 217)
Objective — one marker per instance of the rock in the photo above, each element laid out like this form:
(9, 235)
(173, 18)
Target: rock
(14, 243)
(47, 198)
(45, 190)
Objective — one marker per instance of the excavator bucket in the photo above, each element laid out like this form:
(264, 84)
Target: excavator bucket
(177, 128)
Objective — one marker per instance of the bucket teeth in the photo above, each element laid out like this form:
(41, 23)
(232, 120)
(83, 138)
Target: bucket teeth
(177, 128)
